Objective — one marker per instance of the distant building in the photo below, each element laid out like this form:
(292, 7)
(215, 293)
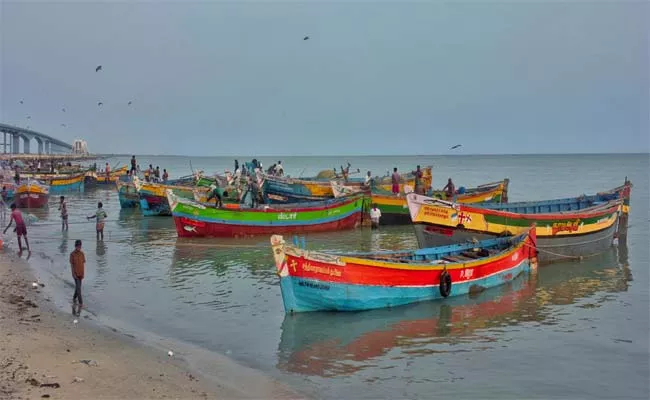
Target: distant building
(79, 147)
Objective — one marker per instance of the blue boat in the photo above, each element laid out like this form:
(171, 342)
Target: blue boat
(325, 281)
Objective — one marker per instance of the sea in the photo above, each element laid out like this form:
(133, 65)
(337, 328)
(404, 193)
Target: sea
(577, 329)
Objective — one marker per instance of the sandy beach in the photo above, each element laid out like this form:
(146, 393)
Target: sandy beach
(44, 354)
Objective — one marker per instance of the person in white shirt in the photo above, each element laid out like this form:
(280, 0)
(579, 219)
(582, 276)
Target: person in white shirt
(279, 170)
(375, 215)
(368, 179)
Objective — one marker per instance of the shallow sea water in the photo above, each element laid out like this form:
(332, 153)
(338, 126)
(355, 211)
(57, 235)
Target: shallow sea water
(573, 330)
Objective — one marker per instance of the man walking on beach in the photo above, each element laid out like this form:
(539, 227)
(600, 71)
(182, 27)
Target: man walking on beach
(77, 266)
(100, 215)
(63, 207)
(20, 229)
(395, 179)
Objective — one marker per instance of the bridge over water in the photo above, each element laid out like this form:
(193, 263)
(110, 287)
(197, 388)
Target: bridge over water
(46, 144)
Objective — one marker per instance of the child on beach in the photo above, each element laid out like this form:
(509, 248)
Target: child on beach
(63, 207)
(20, 229)
(100, 215)
(77, 267)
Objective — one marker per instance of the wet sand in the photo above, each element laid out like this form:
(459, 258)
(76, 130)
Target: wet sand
(41, 348)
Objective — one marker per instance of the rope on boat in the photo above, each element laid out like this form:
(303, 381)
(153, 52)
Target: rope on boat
(568, 257)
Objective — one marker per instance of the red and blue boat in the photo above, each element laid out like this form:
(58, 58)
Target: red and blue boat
(323, 281)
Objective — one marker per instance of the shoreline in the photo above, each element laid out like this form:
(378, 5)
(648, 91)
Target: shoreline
(40, 344)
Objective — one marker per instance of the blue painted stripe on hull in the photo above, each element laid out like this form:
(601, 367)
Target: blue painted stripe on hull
(304, 295)
(319, 221)
(147, 210)
(72, 187)
(128, 202)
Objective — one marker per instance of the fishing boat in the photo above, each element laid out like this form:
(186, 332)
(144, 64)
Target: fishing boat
(315, 344)
(193, 219)
(566, 228)
(153, 198)
(32, 194)
(394, 210)
(113, 176)
(319, 281)
(60, 183)
(289, 190)
(127, 194)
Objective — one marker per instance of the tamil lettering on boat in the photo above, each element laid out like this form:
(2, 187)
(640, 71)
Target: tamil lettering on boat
(308, 267)
(287, 216)
(568, 226)
(436, 212)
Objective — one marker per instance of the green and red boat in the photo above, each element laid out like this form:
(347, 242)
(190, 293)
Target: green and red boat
(193, 219)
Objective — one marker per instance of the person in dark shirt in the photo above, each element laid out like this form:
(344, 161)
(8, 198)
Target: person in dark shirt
(449, 189)
(419, 189)
(133, 165)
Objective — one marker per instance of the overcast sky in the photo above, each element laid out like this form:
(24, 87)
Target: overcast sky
(217, 78)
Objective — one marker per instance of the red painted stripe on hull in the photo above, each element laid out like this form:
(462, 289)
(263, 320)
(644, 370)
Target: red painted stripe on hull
(25, 200)
(359, 274)
(208, 229)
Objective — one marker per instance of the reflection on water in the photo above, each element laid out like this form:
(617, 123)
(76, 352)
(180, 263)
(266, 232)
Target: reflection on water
(331, 344)
(223, 295)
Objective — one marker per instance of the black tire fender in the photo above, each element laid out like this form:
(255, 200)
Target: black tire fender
(445, 284)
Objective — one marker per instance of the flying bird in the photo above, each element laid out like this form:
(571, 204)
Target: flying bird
(455, 147)
(305, 38)
(100, 104)
(130, 103)
(63, 109)
(21, 102)
(99, 68)
(63, 125)
(29, 117)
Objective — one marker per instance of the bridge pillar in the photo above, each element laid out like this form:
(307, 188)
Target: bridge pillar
(40, 145)
(26, 145)
(47, 147)
(15, 143)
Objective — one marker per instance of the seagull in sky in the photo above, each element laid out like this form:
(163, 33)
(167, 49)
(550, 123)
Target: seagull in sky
(129, 103)
(305, 38)
(21, 102)
(455, 147)
(99, 68)
(100, 104)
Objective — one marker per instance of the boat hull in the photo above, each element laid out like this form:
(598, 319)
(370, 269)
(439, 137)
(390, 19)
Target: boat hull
(186, 227)
(128, 195)
(194, 219)
(316, 281)
(551, 248)
(395, 211)
(75, 184)
(152, 205)
(31, 200)
(306, 295)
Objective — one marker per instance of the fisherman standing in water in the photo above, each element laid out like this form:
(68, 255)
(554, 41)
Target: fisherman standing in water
(20, 229)
(100, 216)
(375, 215)
(63, 207)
